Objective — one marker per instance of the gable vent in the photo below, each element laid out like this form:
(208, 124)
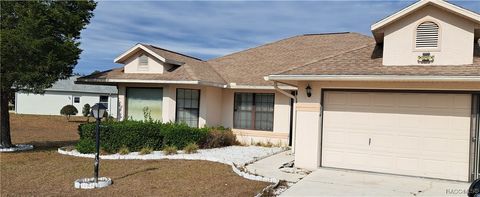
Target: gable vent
(427, 35)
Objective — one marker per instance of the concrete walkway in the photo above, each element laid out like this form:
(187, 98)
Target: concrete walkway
(331, 182)
(269, 167)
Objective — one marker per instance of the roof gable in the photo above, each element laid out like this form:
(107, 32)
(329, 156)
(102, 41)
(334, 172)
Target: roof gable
(151, 51)
(451, 8)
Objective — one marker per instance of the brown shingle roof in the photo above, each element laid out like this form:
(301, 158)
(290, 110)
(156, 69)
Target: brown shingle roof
(362, 61)
(250, 66)
(193, 69)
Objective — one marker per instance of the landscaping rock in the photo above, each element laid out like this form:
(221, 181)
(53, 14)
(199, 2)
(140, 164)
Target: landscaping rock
(17, 147)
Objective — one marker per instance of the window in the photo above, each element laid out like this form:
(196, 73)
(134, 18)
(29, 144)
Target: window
(104, 100)
(143, 63)
(141, 100)
(188, 101)
(76, 99)
(253, 111)
(427, 35)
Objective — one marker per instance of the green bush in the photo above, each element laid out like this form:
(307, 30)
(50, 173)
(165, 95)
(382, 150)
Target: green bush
(191, 148)
(85, 145)
(86, 110)
(170, 150)
(132, 134)
(179, 135)
(136, 135)
(219, 137)
(68, 110)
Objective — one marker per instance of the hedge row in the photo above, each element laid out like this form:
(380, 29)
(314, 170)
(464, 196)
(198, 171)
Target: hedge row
(136, 135)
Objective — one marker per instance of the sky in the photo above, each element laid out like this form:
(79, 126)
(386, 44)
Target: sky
(209, 29)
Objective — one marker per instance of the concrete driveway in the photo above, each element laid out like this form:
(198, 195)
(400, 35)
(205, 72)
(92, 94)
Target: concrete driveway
(333, 182)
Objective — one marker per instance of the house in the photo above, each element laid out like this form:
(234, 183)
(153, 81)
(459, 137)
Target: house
(66, 92)
(228, 91)
(407, 103)
(403, 102)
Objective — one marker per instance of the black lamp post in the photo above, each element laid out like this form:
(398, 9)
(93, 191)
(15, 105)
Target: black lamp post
(98, 110)
(308, 89)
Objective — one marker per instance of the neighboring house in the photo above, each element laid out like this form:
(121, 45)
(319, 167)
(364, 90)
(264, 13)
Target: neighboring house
(403, 102)
(66, 92)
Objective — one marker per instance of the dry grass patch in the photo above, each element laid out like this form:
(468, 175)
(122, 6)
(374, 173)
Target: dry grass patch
(44, 172)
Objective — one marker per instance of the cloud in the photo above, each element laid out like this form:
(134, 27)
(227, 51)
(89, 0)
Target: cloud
(211, 29)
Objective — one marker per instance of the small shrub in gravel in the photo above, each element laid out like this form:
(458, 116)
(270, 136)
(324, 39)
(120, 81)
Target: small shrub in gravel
(191, 148)
(146, 150)
(219, 137)
(123, 151)
(85, 146)
(170, 150)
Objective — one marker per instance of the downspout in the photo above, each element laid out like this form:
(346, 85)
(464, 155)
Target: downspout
(294, 119)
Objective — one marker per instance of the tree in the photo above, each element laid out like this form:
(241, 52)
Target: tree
(68, 110)
(86, 110)
(39, 45)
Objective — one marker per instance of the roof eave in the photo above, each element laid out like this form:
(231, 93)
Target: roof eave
(147, 81)
(373, 78)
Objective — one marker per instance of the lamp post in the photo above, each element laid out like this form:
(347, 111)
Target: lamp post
(98, 110)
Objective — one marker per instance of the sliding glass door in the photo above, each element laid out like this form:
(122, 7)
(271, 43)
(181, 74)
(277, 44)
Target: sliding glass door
(143, 101)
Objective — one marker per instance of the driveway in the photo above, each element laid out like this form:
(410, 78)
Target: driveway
(333, 182)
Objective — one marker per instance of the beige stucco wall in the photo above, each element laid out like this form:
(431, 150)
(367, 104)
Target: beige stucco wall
(216, 109)
(308, 137)
(154, 65)
(455, 39)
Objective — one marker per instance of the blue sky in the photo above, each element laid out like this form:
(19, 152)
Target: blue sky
(209, 29)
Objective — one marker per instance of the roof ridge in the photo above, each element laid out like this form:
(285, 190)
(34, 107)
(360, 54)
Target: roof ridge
(328, 33)
(325, 58)
(283, 39)
(178, 53)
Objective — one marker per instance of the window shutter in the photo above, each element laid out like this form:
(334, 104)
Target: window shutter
(427, 35)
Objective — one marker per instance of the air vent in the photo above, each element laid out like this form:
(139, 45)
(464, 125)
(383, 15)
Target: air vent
(427, 35)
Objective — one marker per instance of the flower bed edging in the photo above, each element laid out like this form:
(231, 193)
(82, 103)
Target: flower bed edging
(16, 147)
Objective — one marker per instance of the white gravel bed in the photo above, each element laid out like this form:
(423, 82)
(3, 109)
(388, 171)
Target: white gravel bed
(239, 155)
(236, 156)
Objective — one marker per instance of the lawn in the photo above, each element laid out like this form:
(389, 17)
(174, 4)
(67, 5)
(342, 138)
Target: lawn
(44, 172)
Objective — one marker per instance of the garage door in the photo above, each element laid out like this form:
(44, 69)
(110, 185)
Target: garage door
(414, 134)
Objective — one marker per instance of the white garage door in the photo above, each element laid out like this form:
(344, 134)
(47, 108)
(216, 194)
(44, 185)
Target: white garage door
(414, 134)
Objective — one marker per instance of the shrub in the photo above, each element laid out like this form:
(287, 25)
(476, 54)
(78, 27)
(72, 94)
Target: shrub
(85, 146)
(219, 137)
(145, 150)
(179, 135)
(136, 135)
(123, 150)
(132, 134)
(86, 110)
(68, 110)
(170, 150)
(191, 148)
